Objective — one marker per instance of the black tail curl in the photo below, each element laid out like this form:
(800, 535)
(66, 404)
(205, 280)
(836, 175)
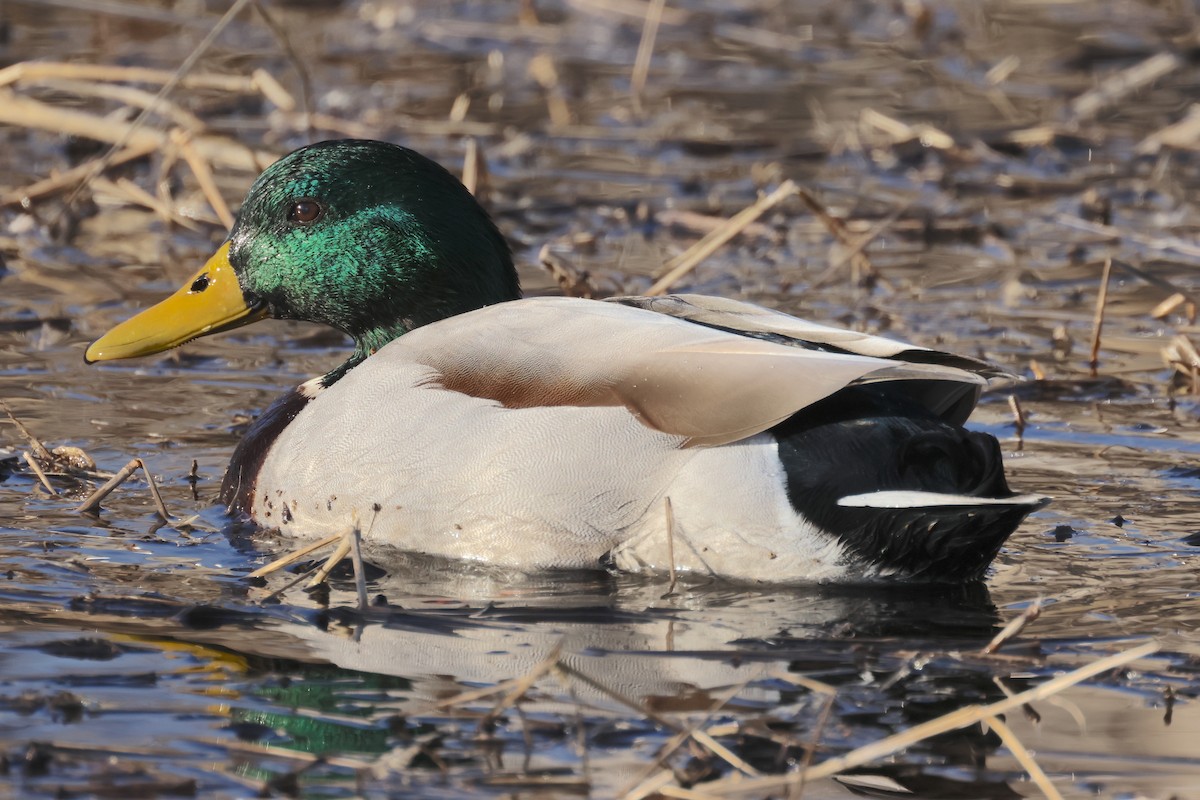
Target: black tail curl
(864, 440)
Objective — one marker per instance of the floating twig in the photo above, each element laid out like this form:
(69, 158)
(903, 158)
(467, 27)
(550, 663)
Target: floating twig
(1183, 133)
(293, 556)
(522, 685)
(1121, 84)
(69, 178)
(955, 720)
(1023, 757)
(853, 246)
(1014, 627)
(37, 470)
(1181, 354)
(687, 261)
(40, 451)
(92, 504)
(1164, 308)
(340, 552)
(650, 779)
(619, 697)
(153, 484)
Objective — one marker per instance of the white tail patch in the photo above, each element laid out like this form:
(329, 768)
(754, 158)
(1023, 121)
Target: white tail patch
(911, 499)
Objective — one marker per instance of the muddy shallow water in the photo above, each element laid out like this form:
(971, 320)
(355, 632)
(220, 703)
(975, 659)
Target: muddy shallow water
(136, 659)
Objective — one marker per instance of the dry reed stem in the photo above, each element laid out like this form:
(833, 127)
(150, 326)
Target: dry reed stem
(654, 783)
(129, 96)
(853, 246)
(92, 503)
(645, 52)
(1175, 244)
(40, 451)
(669, 510)
(29, 113)
(37, 470)
(1181, 354)
(1098, 318)
(200, 168)
(647, 781)
(631, 8)
(1019, 418)
(67, 179)
(683, 794)
(1164, 309)
(860, 264)
(273, 90)
(136, 126)
(542, 70)
(342, 550)
(266, 82)
(723, 752)
(523, 684)
(812, 684)
(1182, 134)
(471, 171)
(316, 121)
(620, 698)
(1014, 627)
(153, 485)
(572, 282)
(293, 556)
(796, 790)
(1024, 757)
(687, 261)
(360, 572)
(703, 224)
(41, 71)
(459, 108)
(1121, 84)
(900, 132)
(960, 718)
(287, 586)
(476, 694)
(130, 192)
(794, 40)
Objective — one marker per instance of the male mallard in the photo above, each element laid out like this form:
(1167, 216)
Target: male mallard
(560, 432)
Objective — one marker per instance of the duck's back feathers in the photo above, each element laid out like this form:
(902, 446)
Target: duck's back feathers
(950, 393)
(703, 383)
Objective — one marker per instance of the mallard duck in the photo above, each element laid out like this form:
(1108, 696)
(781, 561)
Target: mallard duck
(639, 433)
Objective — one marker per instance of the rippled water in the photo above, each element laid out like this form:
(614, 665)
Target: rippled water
(137, 659)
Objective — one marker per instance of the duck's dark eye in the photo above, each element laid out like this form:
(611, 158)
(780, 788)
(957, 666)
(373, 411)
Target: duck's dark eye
(305, 211)
(200, 284)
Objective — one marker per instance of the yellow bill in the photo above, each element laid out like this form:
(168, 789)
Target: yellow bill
(211, 301)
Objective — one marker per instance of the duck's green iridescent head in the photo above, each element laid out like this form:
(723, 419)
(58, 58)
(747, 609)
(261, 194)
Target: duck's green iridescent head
(368, 237)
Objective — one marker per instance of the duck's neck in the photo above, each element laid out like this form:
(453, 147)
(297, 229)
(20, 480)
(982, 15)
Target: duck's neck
(365, 344)
(369, 341)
